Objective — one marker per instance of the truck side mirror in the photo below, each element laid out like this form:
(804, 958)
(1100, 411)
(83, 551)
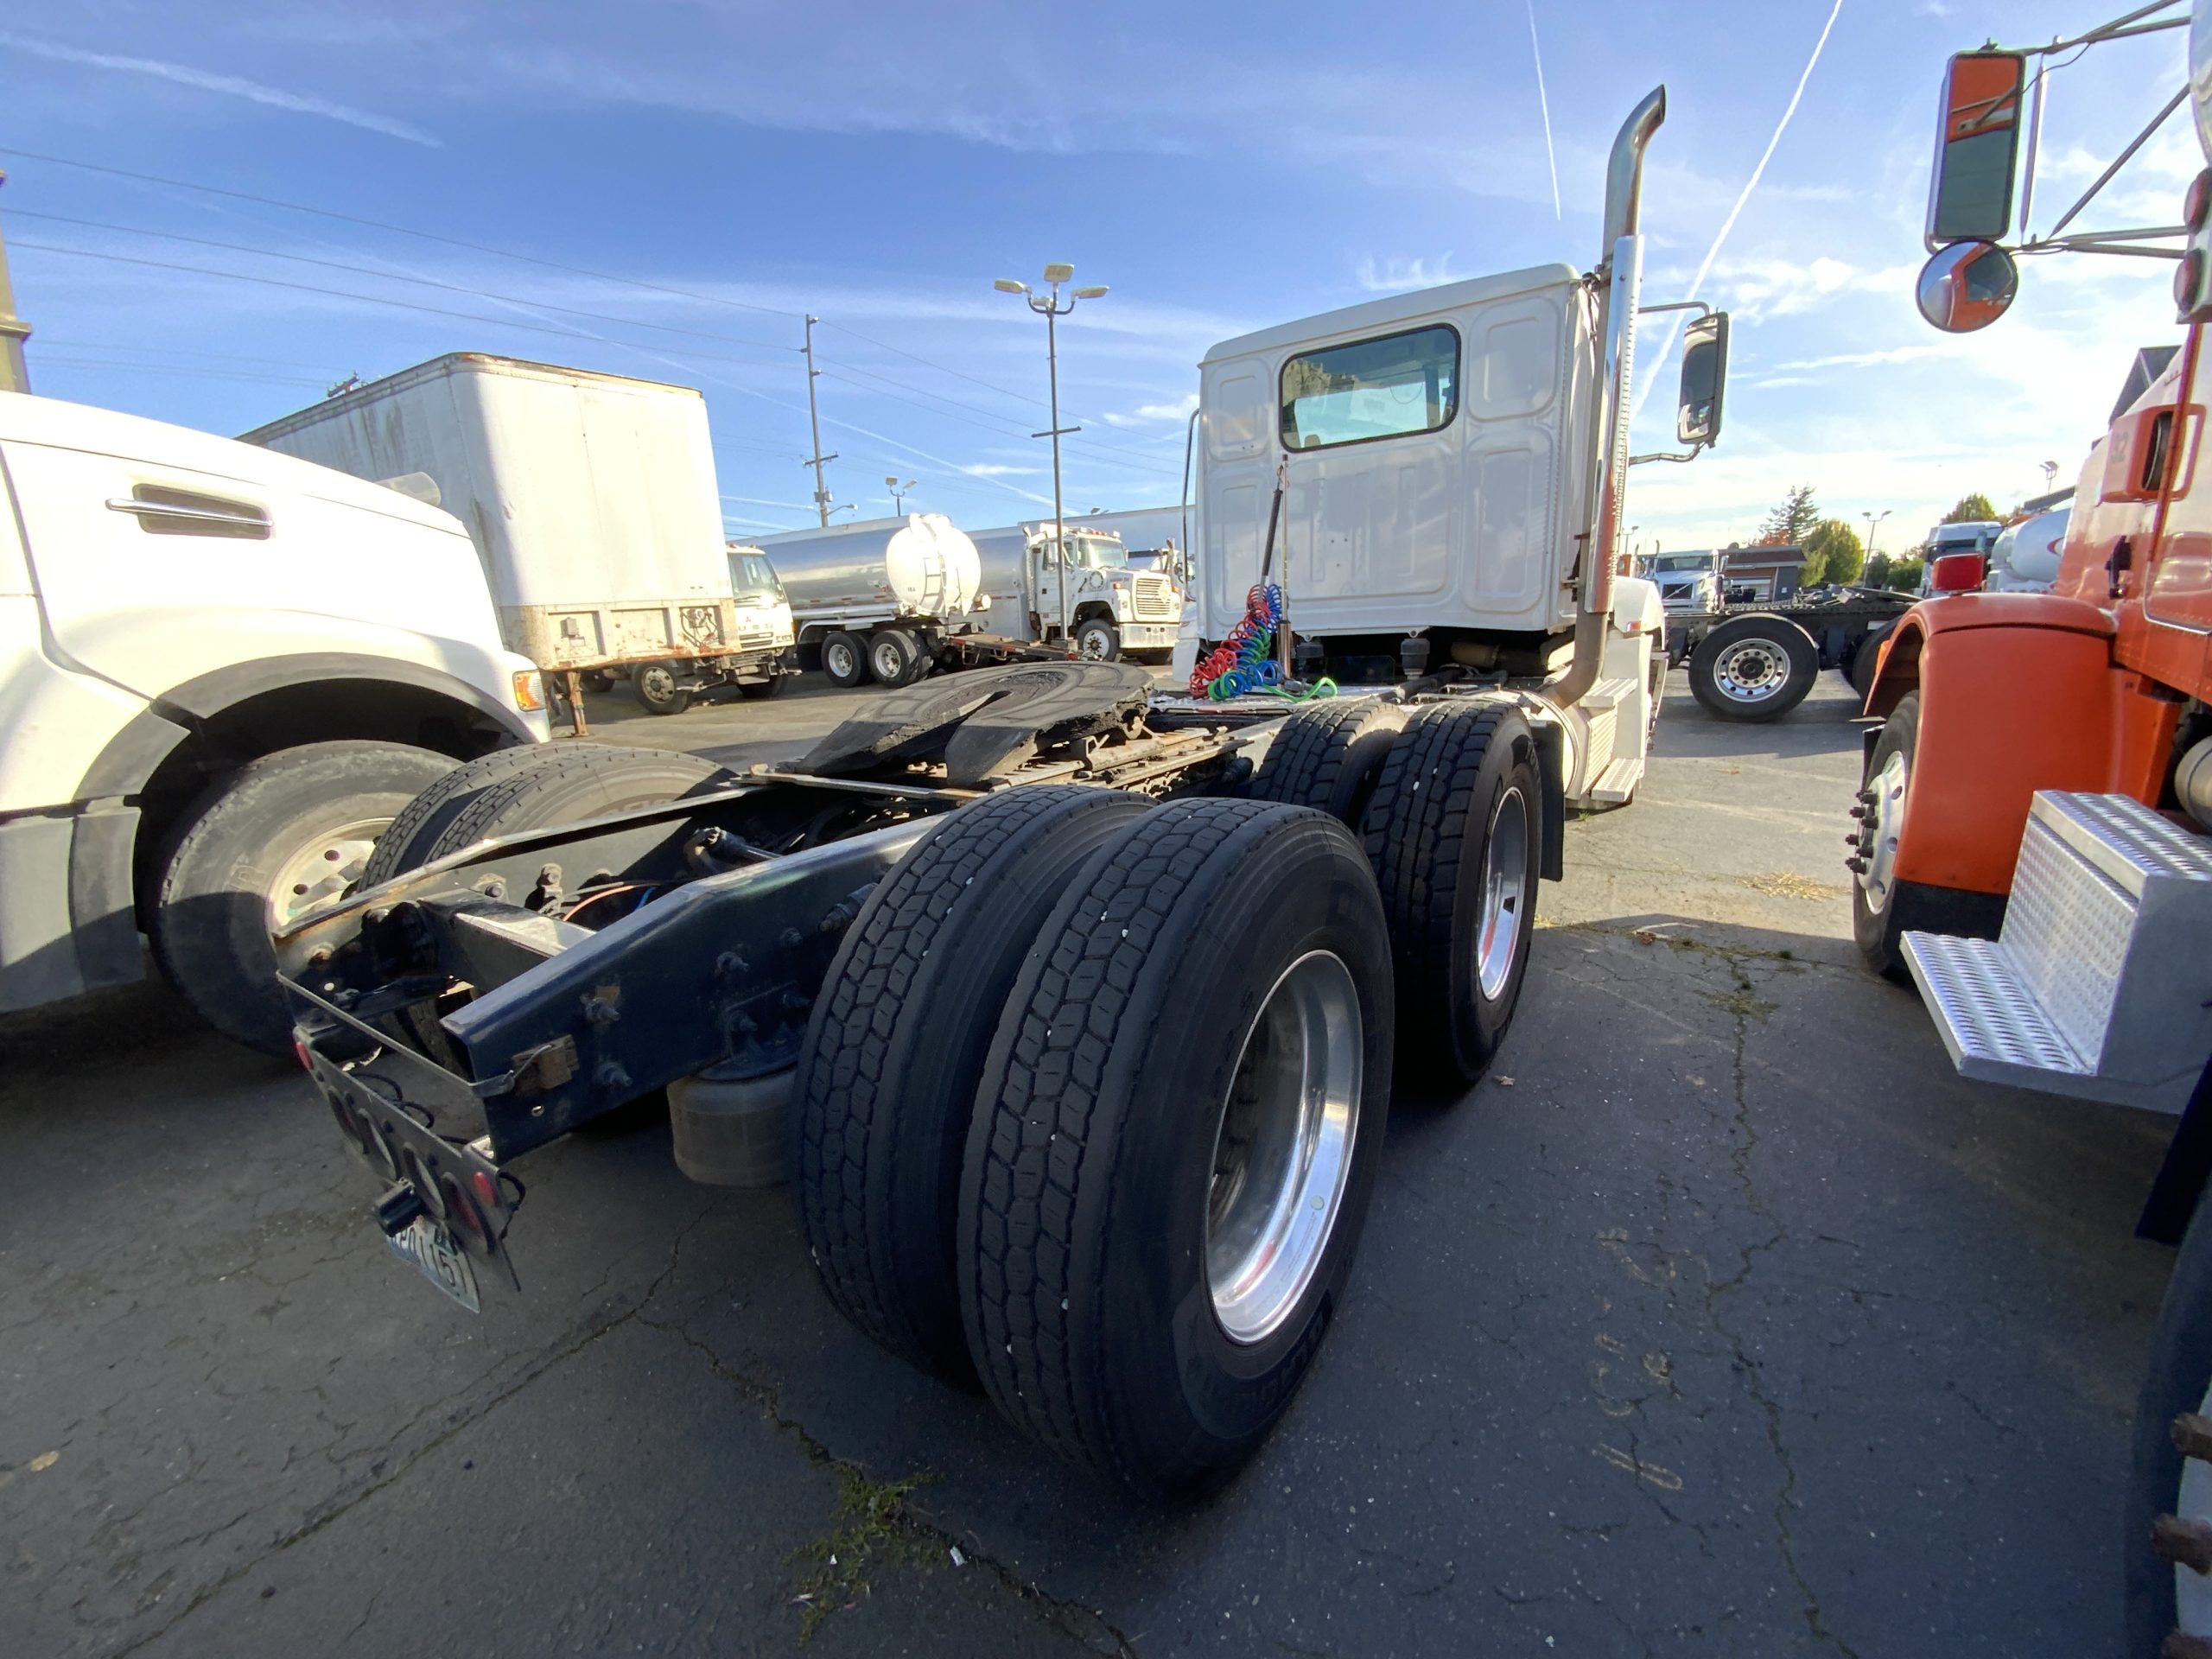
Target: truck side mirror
(1977, 149)
(1966, 286)
(1704, 382)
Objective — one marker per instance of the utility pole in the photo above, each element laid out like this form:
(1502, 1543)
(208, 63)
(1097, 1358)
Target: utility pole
(15, 374)
(1050, 308)
(816, 461)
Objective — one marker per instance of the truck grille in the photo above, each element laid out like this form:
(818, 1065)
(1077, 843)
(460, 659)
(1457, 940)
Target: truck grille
(764, 639)
(1155, 601)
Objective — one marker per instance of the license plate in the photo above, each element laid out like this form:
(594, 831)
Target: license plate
(431, 1249)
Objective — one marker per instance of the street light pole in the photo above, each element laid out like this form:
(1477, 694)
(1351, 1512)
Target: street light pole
(1873, 523)
(1049, 307)
(898, 492)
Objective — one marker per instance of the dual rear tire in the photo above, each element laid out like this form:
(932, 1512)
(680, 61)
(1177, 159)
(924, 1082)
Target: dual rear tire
(1090, 1103)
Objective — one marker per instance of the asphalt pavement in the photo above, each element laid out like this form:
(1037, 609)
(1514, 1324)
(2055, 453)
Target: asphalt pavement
(1722, 1318)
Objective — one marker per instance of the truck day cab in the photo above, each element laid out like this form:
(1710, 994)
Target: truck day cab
(1435, 479)
(223, 672)
(2032, 841)
(1072, 1028)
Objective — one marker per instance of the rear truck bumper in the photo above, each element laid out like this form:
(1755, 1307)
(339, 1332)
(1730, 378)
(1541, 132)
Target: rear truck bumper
(567, 1025)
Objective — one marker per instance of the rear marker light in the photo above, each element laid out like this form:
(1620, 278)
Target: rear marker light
(487, 1189)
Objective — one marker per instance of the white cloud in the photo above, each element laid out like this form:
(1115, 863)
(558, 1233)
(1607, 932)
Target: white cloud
(998, 469)
(1149, 414)
(1397, 276)
(229, 85)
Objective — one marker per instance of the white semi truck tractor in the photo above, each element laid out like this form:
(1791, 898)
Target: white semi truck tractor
(223, 674)
(1433, 482)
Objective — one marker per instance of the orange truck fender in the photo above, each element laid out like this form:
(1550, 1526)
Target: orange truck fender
(2018, 692)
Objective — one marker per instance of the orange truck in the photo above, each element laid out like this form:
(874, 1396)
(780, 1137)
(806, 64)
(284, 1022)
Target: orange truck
(2041, 866)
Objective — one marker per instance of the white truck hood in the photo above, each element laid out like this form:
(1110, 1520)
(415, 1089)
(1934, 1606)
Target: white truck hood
(59, 425)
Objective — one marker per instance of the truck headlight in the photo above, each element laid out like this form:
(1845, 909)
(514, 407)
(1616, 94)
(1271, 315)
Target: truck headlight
(530, 691)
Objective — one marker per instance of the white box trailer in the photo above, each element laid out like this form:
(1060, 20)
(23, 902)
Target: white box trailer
(591, 498)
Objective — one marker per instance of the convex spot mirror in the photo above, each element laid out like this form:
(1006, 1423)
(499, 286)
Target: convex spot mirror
(1966, 286)
(1704, 380)
(1977, 149)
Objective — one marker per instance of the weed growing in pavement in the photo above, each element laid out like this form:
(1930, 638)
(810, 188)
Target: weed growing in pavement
(872, 1527)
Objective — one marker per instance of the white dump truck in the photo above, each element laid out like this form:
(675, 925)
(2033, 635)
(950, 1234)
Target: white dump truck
(591, 500)
(223, 672)
(1435, 481)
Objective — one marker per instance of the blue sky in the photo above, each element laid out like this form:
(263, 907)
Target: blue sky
(1223, 168)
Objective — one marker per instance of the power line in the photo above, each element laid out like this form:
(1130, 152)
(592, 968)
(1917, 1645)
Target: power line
(397, 230)
(397, 276)
(344, 293)
(506, 253)
(49, 360)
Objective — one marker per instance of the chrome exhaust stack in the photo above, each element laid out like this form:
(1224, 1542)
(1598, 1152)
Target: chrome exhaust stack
(1622, 268)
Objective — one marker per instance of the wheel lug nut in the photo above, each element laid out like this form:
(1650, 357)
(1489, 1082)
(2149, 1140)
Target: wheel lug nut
(2185, 1543)
(2193, 1436)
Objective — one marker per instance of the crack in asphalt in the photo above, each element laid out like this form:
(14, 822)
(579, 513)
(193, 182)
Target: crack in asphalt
(1086, 1626)
(1745, 1007)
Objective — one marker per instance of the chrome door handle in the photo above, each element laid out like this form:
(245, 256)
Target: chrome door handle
(246, 517)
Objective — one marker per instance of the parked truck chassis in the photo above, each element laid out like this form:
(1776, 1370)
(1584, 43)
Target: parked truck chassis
(758, 947)
(1757, 662)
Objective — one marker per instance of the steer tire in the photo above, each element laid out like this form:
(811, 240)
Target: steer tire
(1327, 755)
(1089, 1190)
(845, 659)
(2178, 1382)
(1097, 640)
(213, 913)
(1795, 664)
(886, 1076)
(1443, 822)
(577, 783)
(407, 842)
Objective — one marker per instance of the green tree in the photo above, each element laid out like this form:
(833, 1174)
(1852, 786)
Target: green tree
(1877, 573)
(1789, 523)
(1904, 575)
(1833, 553)
(1972, 509)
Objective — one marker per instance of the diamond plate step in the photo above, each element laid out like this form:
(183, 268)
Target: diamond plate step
(2101, 984)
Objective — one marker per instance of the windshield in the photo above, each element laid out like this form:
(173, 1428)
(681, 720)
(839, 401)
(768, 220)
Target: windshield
(752, 579)
(1097, 552)
(1683, 562)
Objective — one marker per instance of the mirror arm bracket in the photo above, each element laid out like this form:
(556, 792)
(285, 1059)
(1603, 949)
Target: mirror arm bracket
(1698, 306)
(1685, 454)
(2122, 159)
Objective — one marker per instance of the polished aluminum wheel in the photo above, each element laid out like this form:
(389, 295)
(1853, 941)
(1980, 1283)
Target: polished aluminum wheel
(1505, 885)
(1881, 828)
(842, 661)
(1283, 1150)
(319, 873)
(1751, 671)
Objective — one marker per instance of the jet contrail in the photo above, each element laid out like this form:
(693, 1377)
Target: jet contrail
(1749, 185)
(1544, 103)
(229, 85)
